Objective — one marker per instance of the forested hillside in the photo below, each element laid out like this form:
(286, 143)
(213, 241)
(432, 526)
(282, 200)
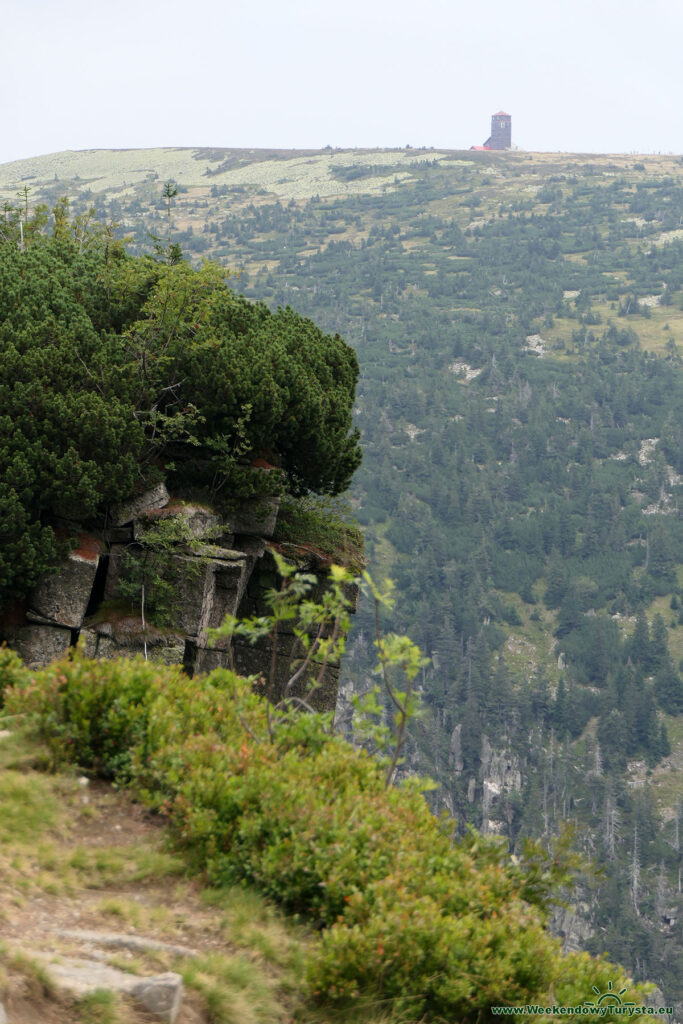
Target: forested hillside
(518, 320)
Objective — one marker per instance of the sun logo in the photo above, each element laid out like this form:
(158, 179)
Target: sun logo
(608, 998)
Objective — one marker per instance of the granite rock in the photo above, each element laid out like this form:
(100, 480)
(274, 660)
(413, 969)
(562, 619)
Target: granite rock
(63, 596)
(156, 497)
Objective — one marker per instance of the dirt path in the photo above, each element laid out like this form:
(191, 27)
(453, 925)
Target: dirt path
(78, 856)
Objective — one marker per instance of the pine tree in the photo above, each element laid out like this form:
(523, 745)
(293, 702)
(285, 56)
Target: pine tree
(639, 647)
(612, 736)
(661, 565)
(668, 688)
(659, 650)
(558, 581)
(570, 615)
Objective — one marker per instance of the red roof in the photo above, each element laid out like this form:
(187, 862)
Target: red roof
(501, 113)
(480, 147)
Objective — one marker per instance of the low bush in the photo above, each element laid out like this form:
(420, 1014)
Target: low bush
(12, 671)
(432, 929)
(90, 713)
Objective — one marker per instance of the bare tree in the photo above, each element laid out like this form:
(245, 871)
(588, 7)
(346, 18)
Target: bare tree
(610, 824)
(635, 873)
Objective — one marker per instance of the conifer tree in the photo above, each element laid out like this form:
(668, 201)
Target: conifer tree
(659, 650)
(640, 643)
(668, 687)
(558, 581)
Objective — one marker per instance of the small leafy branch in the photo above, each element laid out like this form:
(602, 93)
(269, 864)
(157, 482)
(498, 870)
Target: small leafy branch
(321, 628)
(172, 253)
(395, 655)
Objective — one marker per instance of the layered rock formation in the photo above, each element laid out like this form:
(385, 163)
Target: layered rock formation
(499, 776)
(226, 566)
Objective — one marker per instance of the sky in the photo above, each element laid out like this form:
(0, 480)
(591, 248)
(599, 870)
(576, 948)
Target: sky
(588, 76)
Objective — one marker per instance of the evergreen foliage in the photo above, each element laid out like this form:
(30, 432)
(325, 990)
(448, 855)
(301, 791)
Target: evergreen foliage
(115, 370)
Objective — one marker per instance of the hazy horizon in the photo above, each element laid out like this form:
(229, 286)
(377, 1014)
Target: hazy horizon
(599, 78)
(344, 149)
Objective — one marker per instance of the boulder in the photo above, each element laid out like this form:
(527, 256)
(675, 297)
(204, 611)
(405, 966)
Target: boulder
(166, 649)
(38, 620)
(122, 636)
(161, 994)
(256, 517)
(193, 587)
(89, 638)
(38, 645)
(230, 573)
(572, 925)
(207, 588)
(206, 659)
(455, 758)
(115, 563)
(63, 596)
(118, 534)
(156, 497)
(254, 659)
(119, 940)
(501, 768)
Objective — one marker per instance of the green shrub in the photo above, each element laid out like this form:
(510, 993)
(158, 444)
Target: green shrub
(12, 671)
(90, 713)
(430, 962)
(431, 929)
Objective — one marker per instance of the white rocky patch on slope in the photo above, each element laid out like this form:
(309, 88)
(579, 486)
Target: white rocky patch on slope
(462, 369)
(535, 343)
(647, 450)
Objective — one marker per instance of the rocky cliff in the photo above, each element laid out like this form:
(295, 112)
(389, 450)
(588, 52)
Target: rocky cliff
(223, 565)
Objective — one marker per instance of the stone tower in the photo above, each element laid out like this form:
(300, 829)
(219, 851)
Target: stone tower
(501, 131)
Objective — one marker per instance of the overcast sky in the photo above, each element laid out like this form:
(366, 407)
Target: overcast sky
(576, 75)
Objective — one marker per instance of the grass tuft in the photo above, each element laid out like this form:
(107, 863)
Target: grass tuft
(29, 807)
(101, 1007)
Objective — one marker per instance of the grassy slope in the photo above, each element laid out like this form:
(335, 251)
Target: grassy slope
(75, 856)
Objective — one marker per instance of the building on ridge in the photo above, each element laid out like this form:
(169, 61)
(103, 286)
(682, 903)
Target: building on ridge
(501, 132)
